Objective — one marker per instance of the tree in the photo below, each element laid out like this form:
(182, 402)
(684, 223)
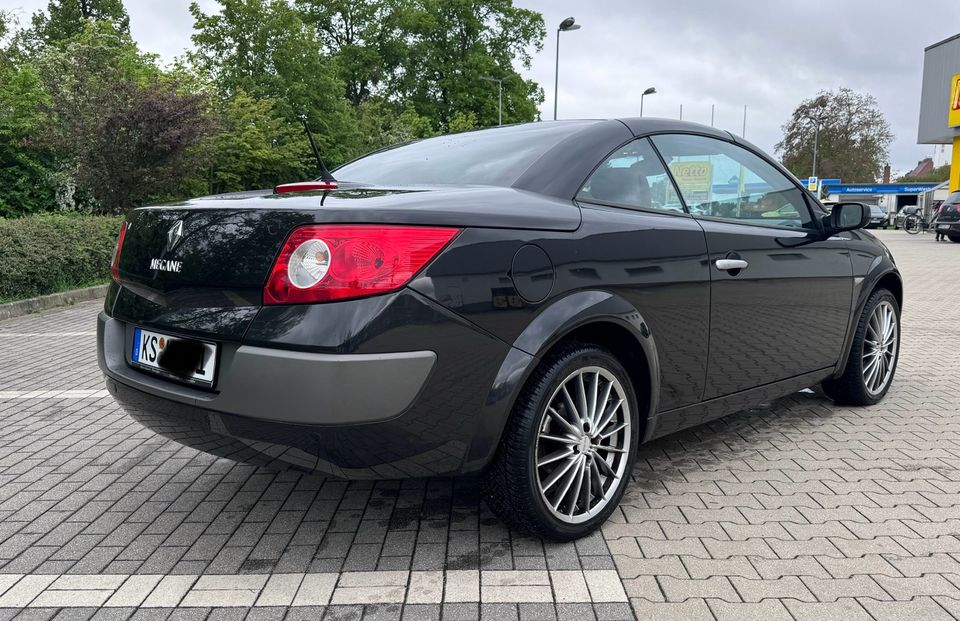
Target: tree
(25, 168)
(122, 134)
(854, 137)
(363, 38)
(454, 44)
(379, 125)
(66, 19)
(255, 147)
(263, 48)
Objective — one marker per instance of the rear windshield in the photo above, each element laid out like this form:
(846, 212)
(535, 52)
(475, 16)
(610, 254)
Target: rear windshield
(953, 199)
(495, 156)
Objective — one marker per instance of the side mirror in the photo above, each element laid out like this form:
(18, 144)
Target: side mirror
(847, 217)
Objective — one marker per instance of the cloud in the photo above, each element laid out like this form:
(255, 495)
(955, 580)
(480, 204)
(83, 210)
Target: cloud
(728, 53)
(768, 56)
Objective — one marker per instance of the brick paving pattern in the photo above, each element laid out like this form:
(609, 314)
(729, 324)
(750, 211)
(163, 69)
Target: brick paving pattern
(798, 509)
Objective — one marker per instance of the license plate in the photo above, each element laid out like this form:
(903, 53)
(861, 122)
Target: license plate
(185, 359)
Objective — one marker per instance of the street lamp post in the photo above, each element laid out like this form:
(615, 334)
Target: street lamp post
(649, 91)
(816, 144)
(565, 25)
(817, 121)
(499, 97)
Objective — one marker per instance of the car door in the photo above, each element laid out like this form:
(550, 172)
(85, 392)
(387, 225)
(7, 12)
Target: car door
(780, 293)
(646, 249)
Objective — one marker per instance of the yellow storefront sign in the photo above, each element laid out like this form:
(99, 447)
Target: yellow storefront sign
(954, 119)
(694, 178)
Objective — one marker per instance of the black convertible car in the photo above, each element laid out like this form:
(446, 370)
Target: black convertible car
(527, 302)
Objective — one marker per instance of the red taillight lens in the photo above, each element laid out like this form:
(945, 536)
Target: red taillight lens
(305, 186)
(115, 264)
(322, 263)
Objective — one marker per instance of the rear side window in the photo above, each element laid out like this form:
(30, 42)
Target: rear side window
(632, 177)
(495, 156)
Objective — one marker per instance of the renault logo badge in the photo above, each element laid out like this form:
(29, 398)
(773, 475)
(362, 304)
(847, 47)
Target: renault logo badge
(174, 235)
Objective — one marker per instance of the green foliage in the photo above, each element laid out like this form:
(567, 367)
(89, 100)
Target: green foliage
(456, 42)
(122, 133)
(853, 141)
(90, 123)
(66, 19)
(462, 122)
(263, 48)
(364, 39)
(24, 168)
(379, 125)
(49, 253)
(432, 53)
(256, 147)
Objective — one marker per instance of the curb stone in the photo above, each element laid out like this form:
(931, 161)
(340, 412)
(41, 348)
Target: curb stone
(53, 300)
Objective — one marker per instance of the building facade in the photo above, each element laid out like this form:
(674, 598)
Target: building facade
(940, 101)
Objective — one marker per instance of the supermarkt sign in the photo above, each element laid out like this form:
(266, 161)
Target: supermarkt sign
(694, 178)
(954, 119)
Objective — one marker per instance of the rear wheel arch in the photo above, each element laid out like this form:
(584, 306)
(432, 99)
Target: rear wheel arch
(598, 317)
(627, 349)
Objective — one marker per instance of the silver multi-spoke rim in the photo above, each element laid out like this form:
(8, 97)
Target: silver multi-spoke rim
(583, 444)
(880, 348)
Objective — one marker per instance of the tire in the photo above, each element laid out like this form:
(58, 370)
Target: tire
(954, 238)
(852, 387)
(512, 483)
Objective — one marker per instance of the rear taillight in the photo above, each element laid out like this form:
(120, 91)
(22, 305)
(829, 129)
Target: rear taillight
(322, 263)
(115, 264)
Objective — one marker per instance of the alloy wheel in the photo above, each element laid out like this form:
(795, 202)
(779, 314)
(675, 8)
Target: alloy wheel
(880, 345)
(583, 444)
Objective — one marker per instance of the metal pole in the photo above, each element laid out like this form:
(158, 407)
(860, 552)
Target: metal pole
(642, 95)
(681, 112)
(712, 107)
(816, 140)
(556, 77)
(744, 134)
(500, 103)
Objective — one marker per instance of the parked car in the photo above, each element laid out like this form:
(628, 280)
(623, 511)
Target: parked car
(901, 217)
(503, 302)
(878, 217)
(948, 222)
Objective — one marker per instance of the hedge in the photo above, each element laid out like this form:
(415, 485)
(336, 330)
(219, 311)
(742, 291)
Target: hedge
(50, 253)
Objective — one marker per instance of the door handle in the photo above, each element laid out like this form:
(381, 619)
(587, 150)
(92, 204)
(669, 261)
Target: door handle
(728, 265)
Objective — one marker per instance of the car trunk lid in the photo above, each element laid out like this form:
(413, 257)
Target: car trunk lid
(200, 266)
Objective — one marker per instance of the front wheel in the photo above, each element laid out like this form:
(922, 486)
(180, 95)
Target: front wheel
(568, 448)
(873, 357)
(912, 226)
(954, 238)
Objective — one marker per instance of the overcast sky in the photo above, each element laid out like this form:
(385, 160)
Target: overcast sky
(768, 55)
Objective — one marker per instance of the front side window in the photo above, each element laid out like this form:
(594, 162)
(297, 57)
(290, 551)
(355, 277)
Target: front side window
(633, 176)
(722, 180)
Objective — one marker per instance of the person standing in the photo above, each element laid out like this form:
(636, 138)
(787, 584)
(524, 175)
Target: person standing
(933, 223)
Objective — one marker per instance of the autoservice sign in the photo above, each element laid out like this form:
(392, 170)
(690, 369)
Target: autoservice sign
(954, 119)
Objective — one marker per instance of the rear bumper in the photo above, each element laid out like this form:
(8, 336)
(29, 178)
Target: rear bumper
(281, 385)
(420, 410)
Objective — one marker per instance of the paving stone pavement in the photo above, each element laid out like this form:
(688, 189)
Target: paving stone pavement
(798, 509)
